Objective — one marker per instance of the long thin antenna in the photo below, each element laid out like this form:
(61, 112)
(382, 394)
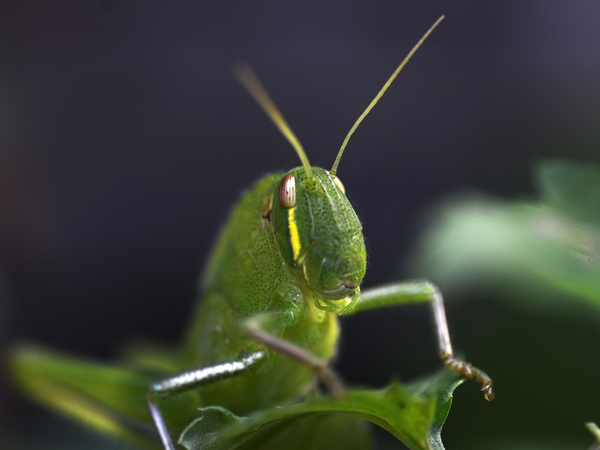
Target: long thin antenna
(246, 76)
(387, 84)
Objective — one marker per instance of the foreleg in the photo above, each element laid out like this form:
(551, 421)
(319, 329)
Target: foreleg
(416, 292)
(189, 380)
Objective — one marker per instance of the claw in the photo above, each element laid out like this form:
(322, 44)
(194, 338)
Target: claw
(466, 370)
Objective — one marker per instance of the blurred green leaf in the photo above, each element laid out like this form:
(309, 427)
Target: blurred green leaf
(110, 398)
(99, 396)
(554, 242)
(571, 187)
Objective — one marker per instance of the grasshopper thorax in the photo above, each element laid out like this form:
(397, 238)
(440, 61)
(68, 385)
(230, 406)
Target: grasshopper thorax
(318, 233)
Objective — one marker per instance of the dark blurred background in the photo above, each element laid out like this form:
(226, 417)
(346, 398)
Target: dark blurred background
(125, 139)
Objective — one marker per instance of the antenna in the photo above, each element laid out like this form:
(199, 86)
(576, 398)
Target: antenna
(387, 84)
(252, 84)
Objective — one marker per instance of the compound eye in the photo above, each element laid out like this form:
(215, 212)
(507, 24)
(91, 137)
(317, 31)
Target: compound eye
(287, 191)
(338, 183)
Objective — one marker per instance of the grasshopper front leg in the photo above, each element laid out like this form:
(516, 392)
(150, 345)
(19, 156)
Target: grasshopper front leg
(416, 292)
(190, 380)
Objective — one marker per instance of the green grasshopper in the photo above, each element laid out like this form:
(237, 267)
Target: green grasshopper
(289, 262)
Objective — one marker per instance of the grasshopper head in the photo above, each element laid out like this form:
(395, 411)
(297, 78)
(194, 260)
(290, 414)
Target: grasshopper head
(318, 233)
(316, 228)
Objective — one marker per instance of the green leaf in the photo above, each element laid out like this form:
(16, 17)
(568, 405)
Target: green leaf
(414, 414)
(477, 240)
(571, 187)
(107, 398)
(97, 395)
(580, 285)
(211, 422)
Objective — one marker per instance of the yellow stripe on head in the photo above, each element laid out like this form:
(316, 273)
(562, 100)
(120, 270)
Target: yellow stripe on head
(294, 235)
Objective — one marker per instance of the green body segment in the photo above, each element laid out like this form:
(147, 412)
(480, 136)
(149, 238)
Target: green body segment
(252, 271)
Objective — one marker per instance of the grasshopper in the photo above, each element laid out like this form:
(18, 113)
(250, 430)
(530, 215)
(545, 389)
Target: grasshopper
(289, 261)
